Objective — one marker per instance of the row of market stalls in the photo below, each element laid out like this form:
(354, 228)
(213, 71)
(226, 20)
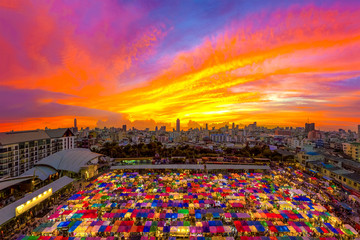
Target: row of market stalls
(187, 205)
(185, 226)
(174, 238)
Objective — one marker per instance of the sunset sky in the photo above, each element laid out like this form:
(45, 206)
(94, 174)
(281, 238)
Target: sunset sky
(147, 63)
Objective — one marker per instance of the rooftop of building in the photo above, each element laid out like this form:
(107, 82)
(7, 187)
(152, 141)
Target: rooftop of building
(352, 176)
(57, 133)
(8, 182)
(71, 160)
(191, 166)
(329, 167)
(7, 138)
(41, 172)
(312, 153)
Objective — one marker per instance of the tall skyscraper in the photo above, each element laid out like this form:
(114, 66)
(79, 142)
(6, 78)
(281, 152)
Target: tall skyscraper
(207, 127)
(233, 126)
(75, 123)
(156, 128)
(178, 125)
(309, 127)
(359, 131)
(124, 128)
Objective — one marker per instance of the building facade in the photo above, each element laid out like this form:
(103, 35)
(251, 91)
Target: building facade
(19, 151)
(352, 150)
(309, 127)
(355, 151)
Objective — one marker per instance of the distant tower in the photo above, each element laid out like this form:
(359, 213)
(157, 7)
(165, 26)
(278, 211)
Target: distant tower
(207, 127)
(233, 126)
(124, 128)
(75, 123)
(359, 131)
(156, 129)
(309, 127)
(178, 125)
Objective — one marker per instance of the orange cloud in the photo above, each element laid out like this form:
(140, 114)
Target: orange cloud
(276, 68)
(284, 55)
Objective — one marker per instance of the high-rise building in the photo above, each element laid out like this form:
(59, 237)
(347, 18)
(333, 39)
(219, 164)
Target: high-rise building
(207, 127)
(178, 125)
(233, 126)
(309, 127)
(19, 151)
(73, 129)
(163, 128)
(124, 128)
(359, 131)
(156, 129)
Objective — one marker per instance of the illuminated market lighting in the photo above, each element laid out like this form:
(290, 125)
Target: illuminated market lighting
(33, 202)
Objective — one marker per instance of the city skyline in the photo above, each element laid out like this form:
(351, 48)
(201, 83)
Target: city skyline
(204, 62)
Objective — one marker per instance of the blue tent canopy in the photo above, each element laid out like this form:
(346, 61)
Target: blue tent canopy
(282, 228)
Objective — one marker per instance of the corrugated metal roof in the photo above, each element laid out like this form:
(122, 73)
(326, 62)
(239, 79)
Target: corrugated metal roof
(69, 160)
(13, 181)
(190, 166)
(7, 138)
(42, 172)
(237, 167)
(8, 212)
(161, 166)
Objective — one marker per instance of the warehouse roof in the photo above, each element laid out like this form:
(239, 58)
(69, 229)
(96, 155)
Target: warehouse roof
(69, 160)
(42, 172)
(190, 166)
(8, 182)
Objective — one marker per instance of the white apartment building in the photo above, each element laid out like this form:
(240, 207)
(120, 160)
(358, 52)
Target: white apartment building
(296, 143)
(19, 151)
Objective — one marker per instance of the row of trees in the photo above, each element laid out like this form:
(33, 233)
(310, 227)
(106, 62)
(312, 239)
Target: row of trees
(113, 150)
(150, 150)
